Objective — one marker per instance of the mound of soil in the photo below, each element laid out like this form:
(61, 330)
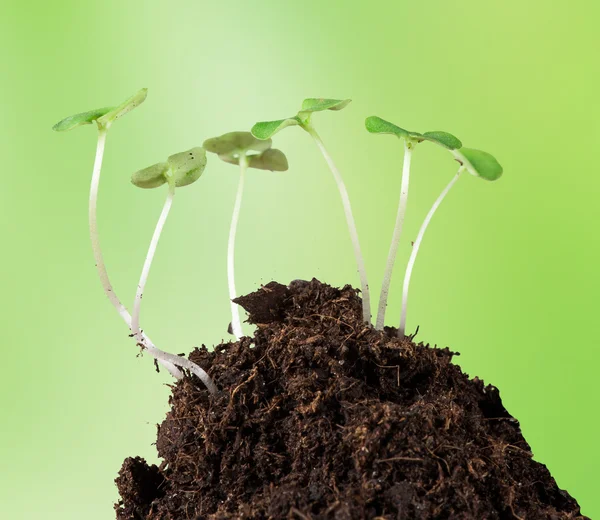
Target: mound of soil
(320, 417)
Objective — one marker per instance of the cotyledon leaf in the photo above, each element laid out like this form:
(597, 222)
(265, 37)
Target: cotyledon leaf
(272, 159)
(127, 106)
(233, 143)
(444, 139)
(319, 104)
(479, 163)
(151, 177)
(187, 167)
(377, 125)
(83, 118)
(267, 129)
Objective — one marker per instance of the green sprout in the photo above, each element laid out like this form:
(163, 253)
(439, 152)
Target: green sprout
(181, 169)
(476, 162)
(104, 118)
(243, 149)
(376, 125)
(266, 129)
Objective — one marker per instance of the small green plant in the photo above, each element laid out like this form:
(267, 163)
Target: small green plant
(181, 169)
(266, 129)
(243, 149)
(376, 125)
(104, 118)
(476, 162)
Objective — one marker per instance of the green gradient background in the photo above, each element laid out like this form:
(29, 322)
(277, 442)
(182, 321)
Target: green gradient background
(508, 273)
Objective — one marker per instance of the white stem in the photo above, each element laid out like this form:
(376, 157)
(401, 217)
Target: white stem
(100, 267)
(389, 267)
(415, 251)
(366, 299)
(135, 319)
(165, 358)
(236, 324)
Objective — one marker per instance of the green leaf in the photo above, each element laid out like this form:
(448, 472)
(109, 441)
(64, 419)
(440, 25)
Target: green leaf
(376, 125)
(125, 107)
(319, 104)
(267, 129)
(444, 139)
(479, 163)
(151, 177)
(187, 167)
(235, 143)
(271, 159)
(84, 118)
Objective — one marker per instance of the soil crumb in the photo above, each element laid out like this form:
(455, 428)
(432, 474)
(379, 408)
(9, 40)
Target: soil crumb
(321, 417)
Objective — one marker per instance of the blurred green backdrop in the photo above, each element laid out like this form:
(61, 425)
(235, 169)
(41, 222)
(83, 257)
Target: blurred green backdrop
(508, 273)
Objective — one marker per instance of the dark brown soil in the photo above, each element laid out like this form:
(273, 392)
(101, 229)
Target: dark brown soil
(323, 417)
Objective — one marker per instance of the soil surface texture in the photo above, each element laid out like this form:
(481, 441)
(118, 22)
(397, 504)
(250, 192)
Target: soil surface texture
(320, 416)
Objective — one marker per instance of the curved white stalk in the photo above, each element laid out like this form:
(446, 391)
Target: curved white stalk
(165, 358)
(362, 273)
(236, 324)
(415, 251)
(135, 317)
(389, 267)
(100, 266)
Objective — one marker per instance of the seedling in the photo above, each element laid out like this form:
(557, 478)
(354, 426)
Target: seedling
(266, 129)
(476, 162)
(104, 118)
(376, 125)
(236, 148)
(179, 170)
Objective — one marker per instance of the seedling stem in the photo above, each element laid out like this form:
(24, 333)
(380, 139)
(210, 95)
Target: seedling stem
(362, 273)
(135, 321)
(389, 267)
(415, 250)
(236, 325)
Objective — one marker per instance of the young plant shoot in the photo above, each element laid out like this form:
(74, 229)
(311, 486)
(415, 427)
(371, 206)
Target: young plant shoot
(476, 162)
(266, 129)
(181, 169)
(376, 125)
(104, 118)
(243, 149)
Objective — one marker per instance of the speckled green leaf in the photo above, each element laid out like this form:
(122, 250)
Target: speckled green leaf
(267, 129)
(187, 167)
(134, 101)
(444, 139)
(319, 104)
(151, 177)
(480, 163)
(84, 118)
(235, 142)
(376, 125)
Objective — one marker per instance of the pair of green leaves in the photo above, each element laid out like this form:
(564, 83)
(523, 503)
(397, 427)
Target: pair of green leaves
(233, 145)
(477, 162)
(180, 169)
(376, 125)
(267, 129)
(104, 117)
